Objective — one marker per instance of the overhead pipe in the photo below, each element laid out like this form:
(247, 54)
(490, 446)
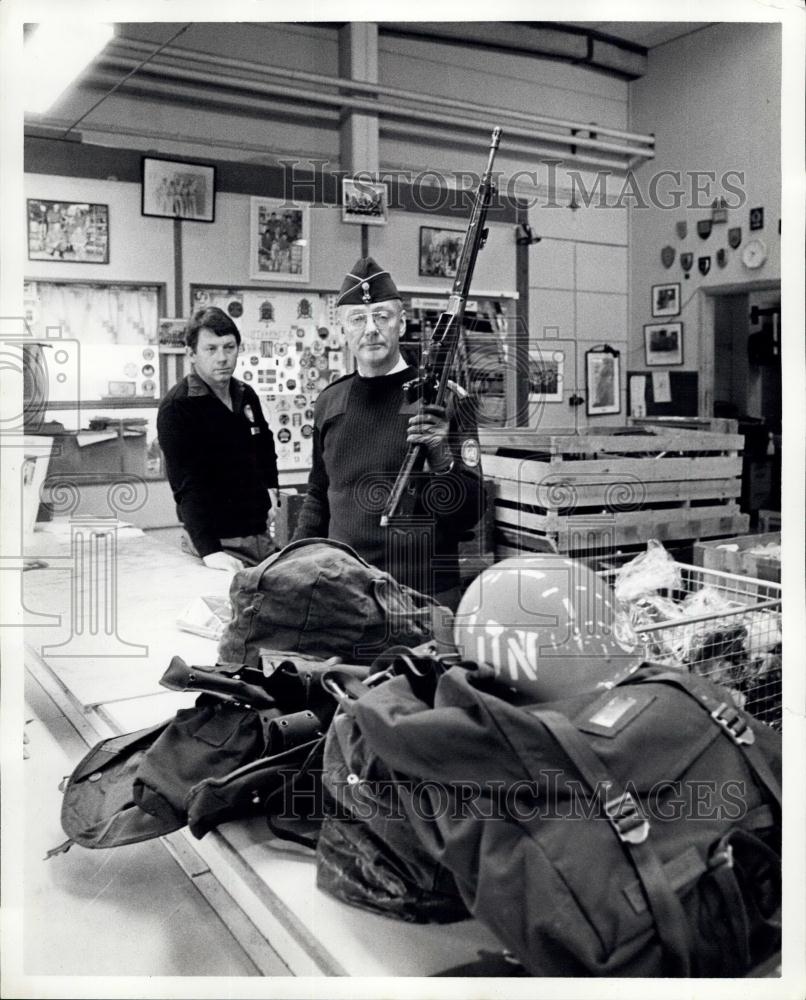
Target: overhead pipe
(377, 88)
(371, 107)
(511, 147)
(187, 92)
(50, 127)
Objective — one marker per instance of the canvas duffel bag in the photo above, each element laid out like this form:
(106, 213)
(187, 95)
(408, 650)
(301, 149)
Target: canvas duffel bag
(317, 596)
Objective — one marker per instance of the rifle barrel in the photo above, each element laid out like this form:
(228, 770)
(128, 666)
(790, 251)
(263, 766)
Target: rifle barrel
(438, 355)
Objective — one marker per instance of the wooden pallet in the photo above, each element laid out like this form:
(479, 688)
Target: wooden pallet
(620, 487)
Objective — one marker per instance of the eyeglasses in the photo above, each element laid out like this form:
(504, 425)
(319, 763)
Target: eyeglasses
(356, 322)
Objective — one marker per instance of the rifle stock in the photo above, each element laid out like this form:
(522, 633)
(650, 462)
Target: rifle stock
(431, 384)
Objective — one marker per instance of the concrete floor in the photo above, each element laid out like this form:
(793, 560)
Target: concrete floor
(128, 911)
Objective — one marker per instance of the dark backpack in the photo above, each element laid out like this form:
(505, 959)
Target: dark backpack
(224, 758)
(317, 596)
(634, 832)
(98, 807)
(368, 854)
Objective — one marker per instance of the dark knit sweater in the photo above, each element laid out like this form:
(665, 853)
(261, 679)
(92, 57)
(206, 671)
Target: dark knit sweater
(359, 444)
(220, 462)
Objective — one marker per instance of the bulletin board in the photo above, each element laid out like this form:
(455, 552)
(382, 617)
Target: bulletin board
(106, 331)
(291, 348)
(683, 390)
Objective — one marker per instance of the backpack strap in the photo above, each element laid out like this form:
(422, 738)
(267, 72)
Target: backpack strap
(732, 721)
(285, 833)
(491, 964)
(302, 543)
(738, 900)
(632, 830)
(344, 687)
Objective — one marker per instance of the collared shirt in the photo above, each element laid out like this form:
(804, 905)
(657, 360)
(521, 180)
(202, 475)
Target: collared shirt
(399, 367)
(220, 462)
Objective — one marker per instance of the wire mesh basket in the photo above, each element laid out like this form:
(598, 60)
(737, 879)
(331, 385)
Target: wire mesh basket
(720, 626)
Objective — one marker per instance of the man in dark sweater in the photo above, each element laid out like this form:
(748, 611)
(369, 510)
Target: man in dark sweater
(362, 427)
(219, 451)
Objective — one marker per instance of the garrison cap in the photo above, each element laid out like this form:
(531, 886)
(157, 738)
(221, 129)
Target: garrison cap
(365, 284)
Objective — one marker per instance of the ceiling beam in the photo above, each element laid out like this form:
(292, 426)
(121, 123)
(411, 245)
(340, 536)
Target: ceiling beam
(549, 40)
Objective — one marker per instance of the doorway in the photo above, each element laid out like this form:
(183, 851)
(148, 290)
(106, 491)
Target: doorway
(747, 387)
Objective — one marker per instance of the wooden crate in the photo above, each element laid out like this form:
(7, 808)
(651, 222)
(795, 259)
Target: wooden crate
(719, 425)
(615, 487)
(735, 555)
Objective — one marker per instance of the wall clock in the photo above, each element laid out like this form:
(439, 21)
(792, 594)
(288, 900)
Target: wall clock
(754, 254)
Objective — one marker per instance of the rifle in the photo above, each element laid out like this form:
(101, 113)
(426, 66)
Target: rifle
(431, 384)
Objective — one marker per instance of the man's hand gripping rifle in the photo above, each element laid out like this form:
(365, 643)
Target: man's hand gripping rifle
(431, 384)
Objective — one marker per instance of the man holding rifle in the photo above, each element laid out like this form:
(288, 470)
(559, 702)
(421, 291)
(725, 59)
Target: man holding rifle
(363, 426)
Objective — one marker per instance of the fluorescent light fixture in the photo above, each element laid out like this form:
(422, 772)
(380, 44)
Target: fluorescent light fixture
(55, 53)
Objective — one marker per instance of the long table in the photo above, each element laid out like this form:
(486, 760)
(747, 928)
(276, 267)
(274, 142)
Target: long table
(100, 609)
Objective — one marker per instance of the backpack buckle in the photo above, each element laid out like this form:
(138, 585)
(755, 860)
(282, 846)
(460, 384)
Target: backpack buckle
(731, 720)
(722, 857)
(626, 819)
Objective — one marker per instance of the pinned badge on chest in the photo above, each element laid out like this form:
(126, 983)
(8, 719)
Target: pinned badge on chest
(471, 452)
(250, 416)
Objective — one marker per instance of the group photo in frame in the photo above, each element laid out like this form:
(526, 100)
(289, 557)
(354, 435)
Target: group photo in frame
(176, 190)
(602, 382)
(280, 241)
(440, 250)
(171, 332)
(546, 376)
(365, 202)
(68, 231)
(666, 300)
(663, 344)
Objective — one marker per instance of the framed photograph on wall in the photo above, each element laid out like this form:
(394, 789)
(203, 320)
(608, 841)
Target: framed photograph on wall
(663, 344)
(280, 241)
(666, 300)
(440, 250)
(364, 201)
(176, 190)
(68, 231)
(602, 381)
(546, 376)
(171, 332)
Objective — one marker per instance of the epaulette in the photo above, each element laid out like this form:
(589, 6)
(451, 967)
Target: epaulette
(330, 403)
(336, 381)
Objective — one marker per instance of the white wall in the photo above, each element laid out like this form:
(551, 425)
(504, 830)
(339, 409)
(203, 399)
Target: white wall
(578, 273)
(713, 101)
(140, 247)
